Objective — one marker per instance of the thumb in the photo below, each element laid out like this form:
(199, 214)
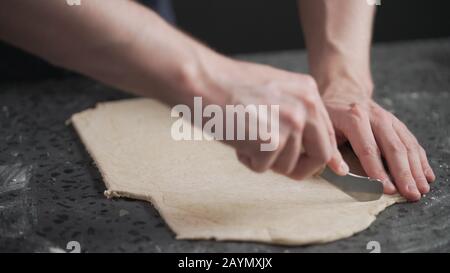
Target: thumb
(338, 164)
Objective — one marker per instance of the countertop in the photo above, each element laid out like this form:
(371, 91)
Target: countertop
(51, 194)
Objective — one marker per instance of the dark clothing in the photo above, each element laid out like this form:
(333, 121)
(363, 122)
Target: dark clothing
(163, 7)
(15, 64)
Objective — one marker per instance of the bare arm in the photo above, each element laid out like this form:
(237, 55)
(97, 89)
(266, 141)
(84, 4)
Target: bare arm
(338, 38)
(128, 46)
(119, 42)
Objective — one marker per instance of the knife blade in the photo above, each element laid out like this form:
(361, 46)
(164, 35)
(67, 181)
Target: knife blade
(360, 188)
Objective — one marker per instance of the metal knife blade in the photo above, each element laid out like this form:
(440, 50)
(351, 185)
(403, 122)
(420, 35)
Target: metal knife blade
(361, 188)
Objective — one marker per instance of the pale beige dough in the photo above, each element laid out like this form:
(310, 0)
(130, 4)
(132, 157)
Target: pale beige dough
(201, 189)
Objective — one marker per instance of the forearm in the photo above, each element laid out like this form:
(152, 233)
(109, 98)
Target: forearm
(338, 37)
(120, 43)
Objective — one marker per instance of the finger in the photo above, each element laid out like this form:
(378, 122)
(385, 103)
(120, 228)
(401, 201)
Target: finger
(317, 147)
(397, 159)
(260, 161)
(317, 141)
(257, 163)
(250, 153)
(287, 159)
(244, 159)
(291, 118)
(428, 171)
(251, 156)
(337, 163)
(306, 167)
(412, 148)
(361, 138)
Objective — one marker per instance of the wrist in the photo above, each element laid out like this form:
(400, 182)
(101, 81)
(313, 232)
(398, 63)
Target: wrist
(338, 73)
(201, 76)
(344, 81)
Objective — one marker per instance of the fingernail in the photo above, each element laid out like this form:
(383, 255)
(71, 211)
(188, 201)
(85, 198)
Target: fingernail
(344, 167)
(389, 185)
(430, 174)
(413, 189)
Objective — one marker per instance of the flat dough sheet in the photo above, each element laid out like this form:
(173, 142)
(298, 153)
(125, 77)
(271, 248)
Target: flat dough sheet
(203, 192)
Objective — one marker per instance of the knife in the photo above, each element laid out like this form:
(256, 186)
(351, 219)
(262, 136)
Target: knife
(360, 188)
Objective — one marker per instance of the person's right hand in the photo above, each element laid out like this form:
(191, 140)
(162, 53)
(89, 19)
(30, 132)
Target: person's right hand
(306, 141)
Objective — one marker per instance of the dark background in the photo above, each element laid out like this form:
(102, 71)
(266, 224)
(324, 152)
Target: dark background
(236, 26)
(242, 26)
(64, 199)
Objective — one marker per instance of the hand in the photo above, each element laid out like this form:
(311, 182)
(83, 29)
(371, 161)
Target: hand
(306, 140)
(374, 133)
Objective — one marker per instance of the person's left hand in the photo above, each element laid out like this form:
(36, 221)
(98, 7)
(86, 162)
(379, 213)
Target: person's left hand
(374, 133)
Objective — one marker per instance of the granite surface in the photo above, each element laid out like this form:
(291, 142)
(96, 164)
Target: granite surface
(51, 194)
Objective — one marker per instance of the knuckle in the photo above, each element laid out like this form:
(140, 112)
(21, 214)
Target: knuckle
(422, 151)
(310, 100)
(324, 157)
(357, 113)
(368, 150)
(299, 125)
(272, 87)
(311, 104)
(396, 148)
(286, 112)
(294, 118)
(404, 176)
(310, 83)
(383, 117)
(380, 174)
(412, 146)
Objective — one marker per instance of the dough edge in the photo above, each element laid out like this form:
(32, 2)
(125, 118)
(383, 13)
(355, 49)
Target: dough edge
(202, 234)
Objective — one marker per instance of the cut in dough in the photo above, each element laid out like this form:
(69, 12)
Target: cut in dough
(203, 192)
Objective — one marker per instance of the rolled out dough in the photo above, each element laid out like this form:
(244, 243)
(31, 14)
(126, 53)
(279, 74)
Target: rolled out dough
(201, 189)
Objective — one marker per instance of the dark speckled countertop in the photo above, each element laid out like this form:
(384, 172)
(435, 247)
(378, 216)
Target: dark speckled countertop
(52, 194)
